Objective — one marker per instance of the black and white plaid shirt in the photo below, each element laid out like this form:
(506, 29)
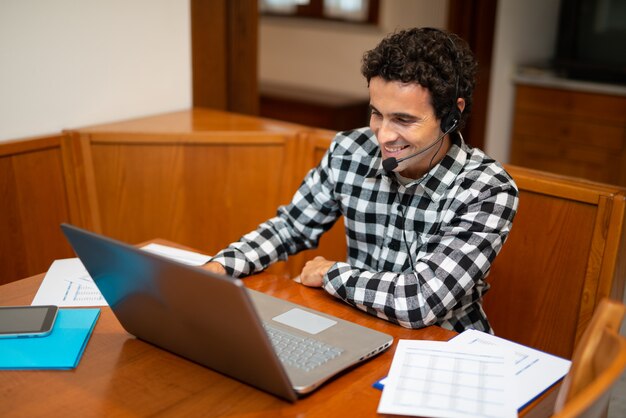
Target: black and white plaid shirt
(418, 254)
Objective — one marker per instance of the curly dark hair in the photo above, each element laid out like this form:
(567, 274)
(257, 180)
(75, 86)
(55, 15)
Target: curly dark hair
(435, 59)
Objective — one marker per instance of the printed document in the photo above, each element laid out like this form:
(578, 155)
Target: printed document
(535, 371)
(439, 379)
(68, 284)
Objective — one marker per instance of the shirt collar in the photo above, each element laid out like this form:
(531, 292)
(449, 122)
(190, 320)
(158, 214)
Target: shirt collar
(440, 177)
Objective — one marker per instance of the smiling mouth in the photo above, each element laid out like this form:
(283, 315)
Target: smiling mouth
(395, 150)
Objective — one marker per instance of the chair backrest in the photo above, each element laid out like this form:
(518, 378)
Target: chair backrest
(598, 362)
(565, 253)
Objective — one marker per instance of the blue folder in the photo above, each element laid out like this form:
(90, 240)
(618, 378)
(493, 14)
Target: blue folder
(61, 349)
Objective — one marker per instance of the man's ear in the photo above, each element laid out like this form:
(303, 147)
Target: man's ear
(460, 103)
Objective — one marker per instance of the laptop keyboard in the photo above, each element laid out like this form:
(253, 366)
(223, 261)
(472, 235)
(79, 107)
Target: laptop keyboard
(300, 352)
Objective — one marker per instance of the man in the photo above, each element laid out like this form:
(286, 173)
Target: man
(425, 214)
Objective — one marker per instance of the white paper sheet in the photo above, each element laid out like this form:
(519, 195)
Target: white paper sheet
(68, 284)
(535, 371)
(438, 379)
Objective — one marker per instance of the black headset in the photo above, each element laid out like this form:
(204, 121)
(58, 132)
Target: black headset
(450, 121)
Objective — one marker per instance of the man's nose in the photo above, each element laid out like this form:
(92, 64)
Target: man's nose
(385, 132)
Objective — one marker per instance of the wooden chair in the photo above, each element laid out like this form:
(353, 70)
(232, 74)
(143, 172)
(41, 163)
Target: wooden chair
(598, 362)
(565, 253)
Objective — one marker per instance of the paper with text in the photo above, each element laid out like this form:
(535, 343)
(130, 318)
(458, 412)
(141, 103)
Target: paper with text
(438, 379)
(535, 371)
(68, 284)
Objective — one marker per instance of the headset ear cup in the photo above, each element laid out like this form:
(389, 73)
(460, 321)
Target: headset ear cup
(450, 122)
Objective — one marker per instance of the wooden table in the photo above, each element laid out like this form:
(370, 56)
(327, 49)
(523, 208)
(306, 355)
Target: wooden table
(120, 375)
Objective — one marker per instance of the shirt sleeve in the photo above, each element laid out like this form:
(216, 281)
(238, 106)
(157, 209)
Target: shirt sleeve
(456, 260)
(296, 227)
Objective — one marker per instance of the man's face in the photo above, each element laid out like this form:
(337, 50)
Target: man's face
(404, 122)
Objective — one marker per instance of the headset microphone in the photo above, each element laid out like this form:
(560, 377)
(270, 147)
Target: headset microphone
(390, 164)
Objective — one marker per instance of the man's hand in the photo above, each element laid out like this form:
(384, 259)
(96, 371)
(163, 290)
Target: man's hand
(214, 267)
(314, 270)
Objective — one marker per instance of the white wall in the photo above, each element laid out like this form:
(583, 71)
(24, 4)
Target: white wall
(327, 56)
(525, 33)
(71, 63)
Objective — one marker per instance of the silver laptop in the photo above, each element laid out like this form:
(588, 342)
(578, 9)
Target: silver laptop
(275, 345)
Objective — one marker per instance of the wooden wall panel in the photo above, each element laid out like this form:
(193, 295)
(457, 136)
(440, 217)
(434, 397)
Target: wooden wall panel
(575, 133)
(224, 38)
(209, 53)
(34, 203)
(474, 21)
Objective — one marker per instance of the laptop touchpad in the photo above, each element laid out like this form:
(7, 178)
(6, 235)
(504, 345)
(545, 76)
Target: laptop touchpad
(304, 321)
